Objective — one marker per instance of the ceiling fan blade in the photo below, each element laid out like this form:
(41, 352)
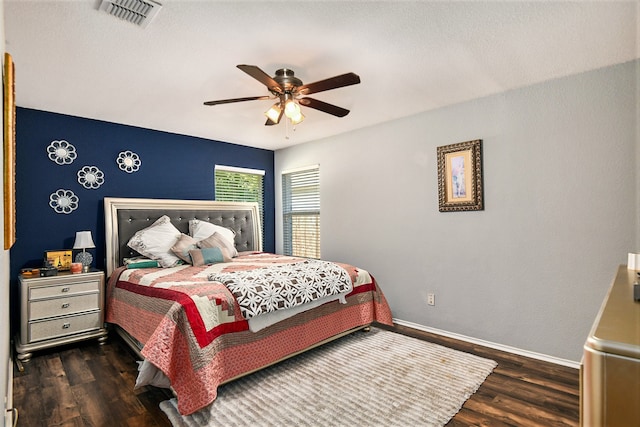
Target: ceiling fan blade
(262, 77)
(228, 101)
(324, 107)
(342, 80)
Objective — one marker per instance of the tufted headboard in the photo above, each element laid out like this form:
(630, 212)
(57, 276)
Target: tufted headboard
(124, 217)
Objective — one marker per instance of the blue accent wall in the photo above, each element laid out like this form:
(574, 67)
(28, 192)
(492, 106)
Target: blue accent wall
(173, 167)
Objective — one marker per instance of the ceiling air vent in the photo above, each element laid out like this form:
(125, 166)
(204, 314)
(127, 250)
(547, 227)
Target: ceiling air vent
(139, 12)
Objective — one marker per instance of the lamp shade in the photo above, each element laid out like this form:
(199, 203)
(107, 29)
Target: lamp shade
(274, 113)
(291, 109)
(83, 240)
(298, 118)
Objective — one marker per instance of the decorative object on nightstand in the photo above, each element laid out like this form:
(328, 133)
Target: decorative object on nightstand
(59, 310)
(48, 270)
(84, 241)
(59, 259)
(76, 267)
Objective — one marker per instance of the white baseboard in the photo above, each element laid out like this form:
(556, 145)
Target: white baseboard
(501, 347)
(9, 414)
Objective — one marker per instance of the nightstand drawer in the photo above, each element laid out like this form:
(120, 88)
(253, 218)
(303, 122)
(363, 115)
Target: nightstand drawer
(63, 306)
(41, 292)
(46, 329)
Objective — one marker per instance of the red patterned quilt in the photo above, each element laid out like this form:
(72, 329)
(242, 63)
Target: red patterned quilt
(194, 331)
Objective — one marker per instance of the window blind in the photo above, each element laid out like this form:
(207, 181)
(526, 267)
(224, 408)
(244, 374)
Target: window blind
(301, 212)
(240, 185)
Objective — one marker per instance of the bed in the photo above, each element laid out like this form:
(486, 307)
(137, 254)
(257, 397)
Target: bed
(208, 319)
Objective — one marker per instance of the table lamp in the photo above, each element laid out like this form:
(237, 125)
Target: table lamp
(84, 241)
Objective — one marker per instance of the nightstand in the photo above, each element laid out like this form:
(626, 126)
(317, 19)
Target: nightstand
(59, 310)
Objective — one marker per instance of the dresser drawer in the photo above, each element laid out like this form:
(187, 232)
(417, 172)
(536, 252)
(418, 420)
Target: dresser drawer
(59, 327)
(42, 309)
(40, 292)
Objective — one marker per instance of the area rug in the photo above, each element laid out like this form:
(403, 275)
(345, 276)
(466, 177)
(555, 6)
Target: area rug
(376, 378)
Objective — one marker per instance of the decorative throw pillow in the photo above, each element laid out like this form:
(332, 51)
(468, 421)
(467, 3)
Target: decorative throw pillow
(202, 229)
(155, 242)
(183, 246)
(208, 256)
(217, 240)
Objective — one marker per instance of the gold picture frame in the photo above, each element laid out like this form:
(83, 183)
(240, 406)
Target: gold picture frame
(9, 152)
(460, 186)
(60, 259)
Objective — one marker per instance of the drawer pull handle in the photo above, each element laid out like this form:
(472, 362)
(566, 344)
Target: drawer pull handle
(66, 289)
(65, 305)
(66, 326)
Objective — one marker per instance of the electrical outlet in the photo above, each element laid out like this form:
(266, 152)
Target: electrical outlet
(431, 299)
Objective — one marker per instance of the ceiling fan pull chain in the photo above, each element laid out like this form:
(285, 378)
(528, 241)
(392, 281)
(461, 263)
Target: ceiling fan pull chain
(286, 129)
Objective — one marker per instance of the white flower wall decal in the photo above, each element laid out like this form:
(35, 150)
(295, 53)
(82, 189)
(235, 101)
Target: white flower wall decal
(91, 177)
(61, 152)
(128, 161)
(63, 201)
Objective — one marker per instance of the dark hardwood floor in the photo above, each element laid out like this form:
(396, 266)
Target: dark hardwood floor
(85, 384)
(90, 385)
(519, 392)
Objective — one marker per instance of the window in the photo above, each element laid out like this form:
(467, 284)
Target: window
(301, 212)
(240, 185)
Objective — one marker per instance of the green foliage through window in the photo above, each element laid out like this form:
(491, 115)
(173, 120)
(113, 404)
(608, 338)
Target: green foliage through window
(240, 185)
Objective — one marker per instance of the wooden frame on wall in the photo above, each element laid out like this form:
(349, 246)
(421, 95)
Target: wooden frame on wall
(9, 153)
(460, 185)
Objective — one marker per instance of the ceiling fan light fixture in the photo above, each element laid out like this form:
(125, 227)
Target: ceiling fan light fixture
(291, 109)
(274, 113)
(297, 119)
(287, 89)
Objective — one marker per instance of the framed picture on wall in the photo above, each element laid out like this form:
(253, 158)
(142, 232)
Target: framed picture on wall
(9, 153)
(460, 177)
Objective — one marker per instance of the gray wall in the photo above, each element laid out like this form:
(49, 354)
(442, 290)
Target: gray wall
(531, 270)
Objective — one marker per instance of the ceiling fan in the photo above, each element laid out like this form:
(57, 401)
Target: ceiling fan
(288, 90)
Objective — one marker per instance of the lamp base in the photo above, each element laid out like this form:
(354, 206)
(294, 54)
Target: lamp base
(85, 259)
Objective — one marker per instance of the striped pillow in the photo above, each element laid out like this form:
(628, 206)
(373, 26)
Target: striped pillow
(217, 240)
(208, 256)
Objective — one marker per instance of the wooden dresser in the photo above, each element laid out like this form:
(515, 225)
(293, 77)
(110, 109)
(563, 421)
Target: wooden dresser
(610, 370)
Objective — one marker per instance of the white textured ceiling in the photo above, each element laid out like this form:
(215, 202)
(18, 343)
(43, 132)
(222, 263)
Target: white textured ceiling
(411, 57)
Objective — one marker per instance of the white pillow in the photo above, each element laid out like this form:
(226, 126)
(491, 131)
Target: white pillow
(156, 241)
(200, 230)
